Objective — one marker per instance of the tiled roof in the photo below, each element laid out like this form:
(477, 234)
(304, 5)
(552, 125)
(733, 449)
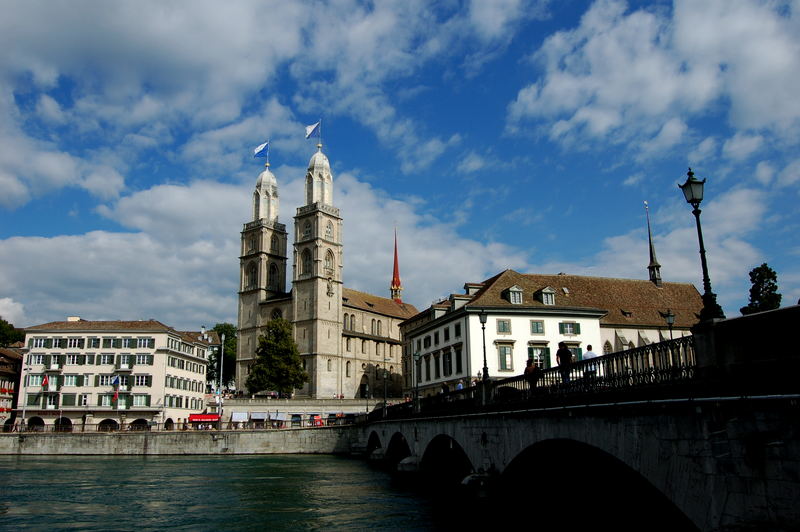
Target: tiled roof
(10, 352)
(378, 305)
(114, 325)
(627, 301)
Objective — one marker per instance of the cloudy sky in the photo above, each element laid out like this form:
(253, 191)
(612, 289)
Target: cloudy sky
(492, 134)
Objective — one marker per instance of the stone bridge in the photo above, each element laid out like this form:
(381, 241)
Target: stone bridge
(720, 453)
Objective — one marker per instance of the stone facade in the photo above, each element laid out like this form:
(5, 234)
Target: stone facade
(349, 341)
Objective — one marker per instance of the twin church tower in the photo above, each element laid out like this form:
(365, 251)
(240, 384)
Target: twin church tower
(349, 341)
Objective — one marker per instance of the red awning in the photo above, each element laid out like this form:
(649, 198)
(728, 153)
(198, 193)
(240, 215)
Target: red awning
(203, 417)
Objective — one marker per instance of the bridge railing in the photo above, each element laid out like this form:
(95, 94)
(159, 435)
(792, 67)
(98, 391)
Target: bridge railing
(669, 362)
(664, 362)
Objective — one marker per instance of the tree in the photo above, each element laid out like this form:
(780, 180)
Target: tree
(229, 358)
(764, 292)
(9, 334)
(278, 366)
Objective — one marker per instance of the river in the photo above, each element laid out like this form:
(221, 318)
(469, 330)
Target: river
(273, 492)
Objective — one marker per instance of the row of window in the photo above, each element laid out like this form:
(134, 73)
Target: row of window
(184, 384)
(52, 402)
(183, 347)
(179, 363)
(307, 231)
(349, 324)
(348, 366)
(380, 347)
(443, 365)
(56, 382)
(124, 360)
(426, 342)
(91, 343)
(537, 327)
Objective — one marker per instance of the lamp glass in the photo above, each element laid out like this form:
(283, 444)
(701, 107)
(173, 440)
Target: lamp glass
(482, 316)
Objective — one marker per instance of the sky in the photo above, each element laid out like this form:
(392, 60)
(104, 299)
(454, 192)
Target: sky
(491, 134)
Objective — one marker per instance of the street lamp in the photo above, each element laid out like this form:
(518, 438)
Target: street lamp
(670, 317)
(693, 192)
(485, 378)
(417, 356)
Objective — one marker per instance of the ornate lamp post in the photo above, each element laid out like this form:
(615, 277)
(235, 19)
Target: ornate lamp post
(485, 377)
(670, 317)
(417, 356)
(693, 192)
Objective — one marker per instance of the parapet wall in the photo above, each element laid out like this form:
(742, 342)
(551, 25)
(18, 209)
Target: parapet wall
(318, 440)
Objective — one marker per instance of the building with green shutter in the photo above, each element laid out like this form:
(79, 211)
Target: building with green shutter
(83, 375)
(527, 315)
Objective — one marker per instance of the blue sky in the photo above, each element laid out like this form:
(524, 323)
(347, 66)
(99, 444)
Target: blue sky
(493, 134)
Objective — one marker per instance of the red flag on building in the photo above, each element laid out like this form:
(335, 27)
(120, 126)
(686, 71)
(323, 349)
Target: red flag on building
(44, 382)
(116, 395)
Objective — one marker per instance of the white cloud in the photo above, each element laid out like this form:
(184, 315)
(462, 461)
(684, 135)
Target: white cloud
(764, 172)
(12, 311)
(742, 146)
(791, 174)
(707, 149)
(471, 162)
(626, 74)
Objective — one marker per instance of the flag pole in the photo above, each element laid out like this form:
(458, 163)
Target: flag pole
(319, 134)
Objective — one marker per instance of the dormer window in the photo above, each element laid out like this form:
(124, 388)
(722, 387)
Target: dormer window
(547, 296)
(514, 295)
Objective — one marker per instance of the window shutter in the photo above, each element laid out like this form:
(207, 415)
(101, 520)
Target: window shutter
(131, 361)
(579, 353)
(149, 382)
(59, 382)
(90, 359)
(30, 343)
(32, 399)
(96, 381)
(561, 328)
(68, 399)
(47, 360)
(48, 343)
(147, 400)
(81, 343)
(150, 359)
(530, 352)
(79, 381)
(81, 360)
(546, 358)
(577, 328)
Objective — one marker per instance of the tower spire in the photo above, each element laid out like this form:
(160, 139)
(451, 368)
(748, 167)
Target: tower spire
(396, 287)
(654, 267)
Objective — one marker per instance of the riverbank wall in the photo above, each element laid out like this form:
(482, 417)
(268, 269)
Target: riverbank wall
(317, 440)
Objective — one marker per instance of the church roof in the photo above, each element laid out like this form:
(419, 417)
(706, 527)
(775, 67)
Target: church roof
(628, 302)
(378, 305)
(266, 177)
(319, 163)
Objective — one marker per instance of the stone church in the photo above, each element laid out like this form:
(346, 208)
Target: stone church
(349, 341)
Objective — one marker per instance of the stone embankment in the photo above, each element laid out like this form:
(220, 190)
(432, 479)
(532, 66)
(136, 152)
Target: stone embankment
(318, 440)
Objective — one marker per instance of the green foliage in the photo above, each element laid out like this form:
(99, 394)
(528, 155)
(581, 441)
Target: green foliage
(9, 334)
(764, 290)
(278, 366)
(229, 359)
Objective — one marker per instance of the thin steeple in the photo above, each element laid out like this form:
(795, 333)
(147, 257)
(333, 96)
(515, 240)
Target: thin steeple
(396, 287)
(654, 267)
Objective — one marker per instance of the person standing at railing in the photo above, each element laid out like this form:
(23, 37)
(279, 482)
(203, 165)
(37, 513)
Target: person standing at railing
(532, 373)
(591, 367)
(564, 359)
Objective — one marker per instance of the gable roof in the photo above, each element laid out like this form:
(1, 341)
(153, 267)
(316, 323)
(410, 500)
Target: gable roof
(111, 325)
(378, 305)
(628, 302)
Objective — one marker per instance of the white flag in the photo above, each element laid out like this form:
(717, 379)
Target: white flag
(313, 129)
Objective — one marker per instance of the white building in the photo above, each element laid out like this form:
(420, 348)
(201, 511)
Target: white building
(115, 374)
(527, 315)
(349, 341)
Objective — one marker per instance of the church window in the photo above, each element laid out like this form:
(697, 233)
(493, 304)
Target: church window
(276, 314)
(307, 230)
(349, 344)
(347, 369)
(352, 322)
(363, 346)
(255, 206)
(273, 276)
(345, 323)
(252, 276)
(330, 365)
(306, 262)
(373, 327)
(329, 261)
(329, 231)
(379, 327)
(273, 243)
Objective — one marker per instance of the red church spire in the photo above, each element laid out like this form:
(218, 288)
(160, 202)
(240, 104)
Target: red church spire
(396, 287)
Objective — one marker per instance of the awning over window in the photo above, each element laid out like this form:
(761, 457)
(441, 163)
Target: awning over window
(203, 417)
(278, 416)
(238, 417)
(258, 416)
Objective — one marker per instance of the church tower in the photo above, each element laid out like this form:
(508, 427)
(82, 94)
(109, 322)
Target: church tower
(317, 281)
(654, 268)
(262, 267)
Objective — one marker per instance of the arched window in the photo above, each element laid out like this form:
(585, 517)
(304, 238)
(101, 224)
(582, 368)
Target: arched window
(379, 327)
(607, 349)
(347, 368)
(330, 365)
(306, 262)
(363, 346)
(373, 327)
(255, 206)
(349, 346)
(273, 276)
(273, 243)
(252, 276)
(352, 322)
(307, 230)
(329, 231)
(276, 313)
(329, 262)
(345, 322)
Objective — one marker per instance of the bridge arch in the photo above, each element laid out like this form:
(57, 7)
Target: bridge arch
(373, 442)
(581, 485)
(397, 450)
(445, 460)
